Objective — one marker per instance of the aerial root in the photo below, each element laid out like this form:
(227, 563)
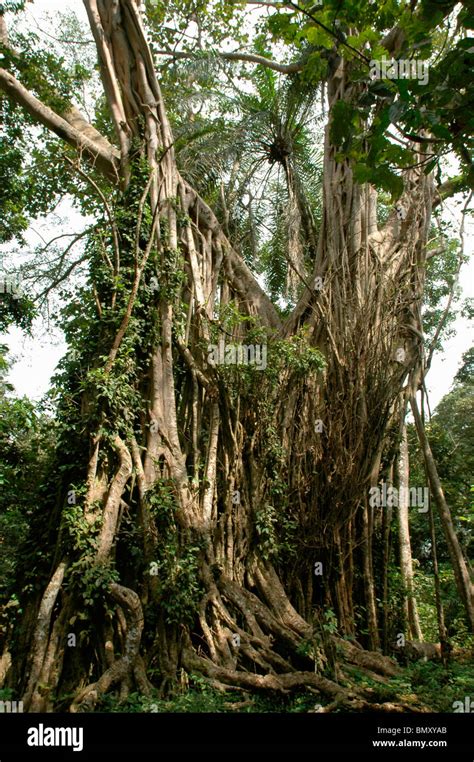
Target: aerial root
(349, 699)
(251, 646)
(369, 660)
(275, 624)
(123, 668)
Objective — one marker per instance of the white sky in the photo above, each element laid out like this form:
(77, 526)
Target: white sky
(40, 6)
(36, 359)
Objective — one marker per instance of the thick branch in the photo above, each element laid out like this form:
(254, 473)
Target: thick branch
(238, 273)
(100, 152)
(72, 128)
(74, 117)
(450, 188)
(109, 75)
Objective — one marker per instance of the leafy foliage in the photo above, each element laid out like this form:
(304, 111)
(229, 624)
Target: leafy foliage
(177, 561)
(26, 439)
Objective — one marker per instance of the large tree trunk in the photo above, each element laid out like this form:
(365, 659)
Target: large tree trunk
(199, 464)
(406, 562)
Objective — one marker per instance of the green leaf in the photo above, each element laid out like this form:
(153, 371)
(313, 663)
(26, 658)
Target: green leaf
(341, 122)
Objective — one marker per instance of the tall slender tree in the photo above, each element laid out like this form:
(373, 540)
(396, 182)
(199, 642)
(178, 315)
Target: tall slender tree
(406, 561)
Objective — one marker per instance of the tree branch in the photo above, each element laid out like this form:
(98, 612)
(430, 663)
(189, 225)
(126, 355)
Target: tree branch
(239, 274)
(62, 277)
(291, 68)
(72, 115)
(449, 188)
(74, 130)
(295, 7)
(100, 152)
(336, 35)
(108, 210)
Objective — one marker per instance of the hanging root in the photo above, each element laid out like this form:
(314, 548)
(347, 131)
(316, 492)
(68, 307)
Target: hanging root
(254, 644)
(122, 669)
(254, 641)
(32, 699)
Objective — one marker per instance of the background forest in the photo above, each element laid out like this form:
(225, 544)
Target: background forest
(184, 534)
